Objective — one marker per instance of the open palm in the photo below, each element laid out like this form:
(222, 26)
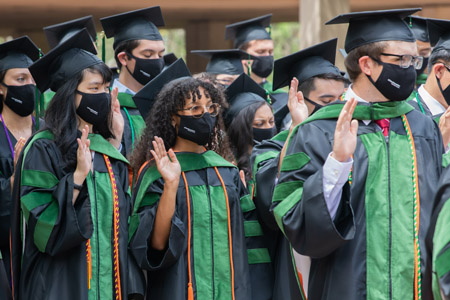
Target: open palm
(296, 104)
(345, 133)
(169, 169)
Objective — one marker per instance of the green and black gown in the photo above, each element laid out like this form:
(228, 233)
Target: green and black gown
(210, 225)
(265, 157)
(55, 254)
(133, 123)
(6, 171)
(367, 251)
(439, 239)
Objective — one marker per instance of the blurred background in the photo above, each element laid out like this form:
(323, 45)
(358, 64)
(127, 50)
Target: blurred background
(200, 24)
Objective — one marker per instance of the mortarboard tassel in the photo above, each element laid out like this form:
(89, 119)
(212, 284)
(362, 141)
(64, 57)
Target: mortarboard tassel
(103, 46)
(37, 102)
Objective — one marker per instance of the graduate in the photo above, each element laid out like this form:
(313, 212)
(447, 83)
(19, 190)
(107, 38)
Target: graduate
(315, 81)
(356, 183)
(59, 33)
(419, 28)
(17, 94)
(433, 98)
(249, 120)
(138, 50)
(253, 37)
(72, 185)
(187, 227)
(224, 65)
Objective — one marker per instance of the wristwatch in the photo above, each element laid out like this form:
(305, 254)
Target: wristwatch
(77, 186)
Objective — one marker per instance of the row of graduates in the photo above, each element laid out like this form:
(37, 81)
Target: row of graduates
(84, 223)
(338, 207)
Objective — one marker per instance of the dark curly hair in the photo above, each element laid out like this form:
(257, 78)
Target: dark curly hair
(159, 121)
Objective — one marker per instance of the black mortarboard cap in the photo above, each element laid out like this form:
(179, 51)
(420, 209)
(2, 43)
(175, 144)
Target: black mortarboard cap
(169, 59)
(439, 31)
(64, 61)
(418, 26)
(249, 30)
(243, 92)
(18, 53)
(375, 26)
(313, 61)
(61, 32)
(227, 61)
(145, 98)
(138, 24)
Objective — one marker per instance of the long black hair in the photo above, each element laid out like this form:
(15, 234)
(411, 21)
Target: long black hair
(159, 121)
(2, 77)
(61, 117)
(240, 135)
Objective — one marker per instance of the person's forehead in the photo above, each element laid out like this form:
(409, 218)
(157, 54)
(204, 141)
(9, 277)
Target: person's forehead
(400, 47)
(260, 44)
(329, 86)
(147, 45)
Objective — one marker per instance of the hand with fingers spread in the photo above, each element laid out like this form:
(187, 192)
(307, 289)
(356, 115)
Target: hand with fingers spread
(296, 104)
(444, 126)
(169, 169)
(84, 158)
(117, 119)
(345, 133)
(17, 150)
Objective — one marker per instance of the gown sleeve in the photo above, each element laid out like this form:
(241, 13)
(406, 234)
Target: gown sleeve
(46, 193)
(298, 203)
(6, 166)
(141, 230)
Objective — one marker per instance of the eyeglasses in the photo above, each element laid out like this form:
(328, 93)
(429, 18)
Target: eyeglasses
(197, 111)
(407, 60)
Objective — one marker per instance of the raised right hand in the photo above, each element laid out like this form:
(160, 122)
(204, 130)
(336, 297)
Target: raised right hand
(296, 104)
(169, 169)
(84, 157)
(345, 133)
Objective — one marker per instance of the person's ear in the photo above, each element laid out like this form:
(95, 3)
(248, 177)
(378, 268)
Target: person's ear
(123, 58)
(366, 65)
(439, 70)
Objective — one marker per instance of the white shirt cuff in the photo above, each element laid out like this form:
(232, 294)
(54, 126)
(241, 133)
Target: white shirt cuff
(335, 175)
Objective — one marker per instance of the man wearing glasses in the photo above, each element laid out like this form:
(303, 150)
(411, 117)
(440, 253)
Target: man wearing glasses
(355, 189)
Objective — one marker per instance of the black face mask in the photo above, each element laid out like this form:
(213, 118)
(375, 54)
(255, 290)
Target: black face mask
(197, 130)
(146, 69)
(95, 109)
(262, 65)
(20, 98)
(395, 83)
(316, 106)
(424, 66)
(446, 92)
(261, 134)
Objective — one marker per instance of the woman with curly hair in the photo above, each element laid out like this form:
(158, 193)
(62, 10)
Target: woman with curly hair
(187, 227)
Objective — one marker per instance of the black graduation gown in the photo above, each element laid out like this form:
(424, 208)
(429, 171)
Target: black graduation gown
(367, 251)
(54, 261)
(167, 270)
(264, 159)
(6, 171)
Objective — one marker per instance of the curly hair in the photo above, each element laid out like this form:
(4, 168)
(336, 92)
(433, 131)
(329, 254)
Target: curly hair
(159, 121)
